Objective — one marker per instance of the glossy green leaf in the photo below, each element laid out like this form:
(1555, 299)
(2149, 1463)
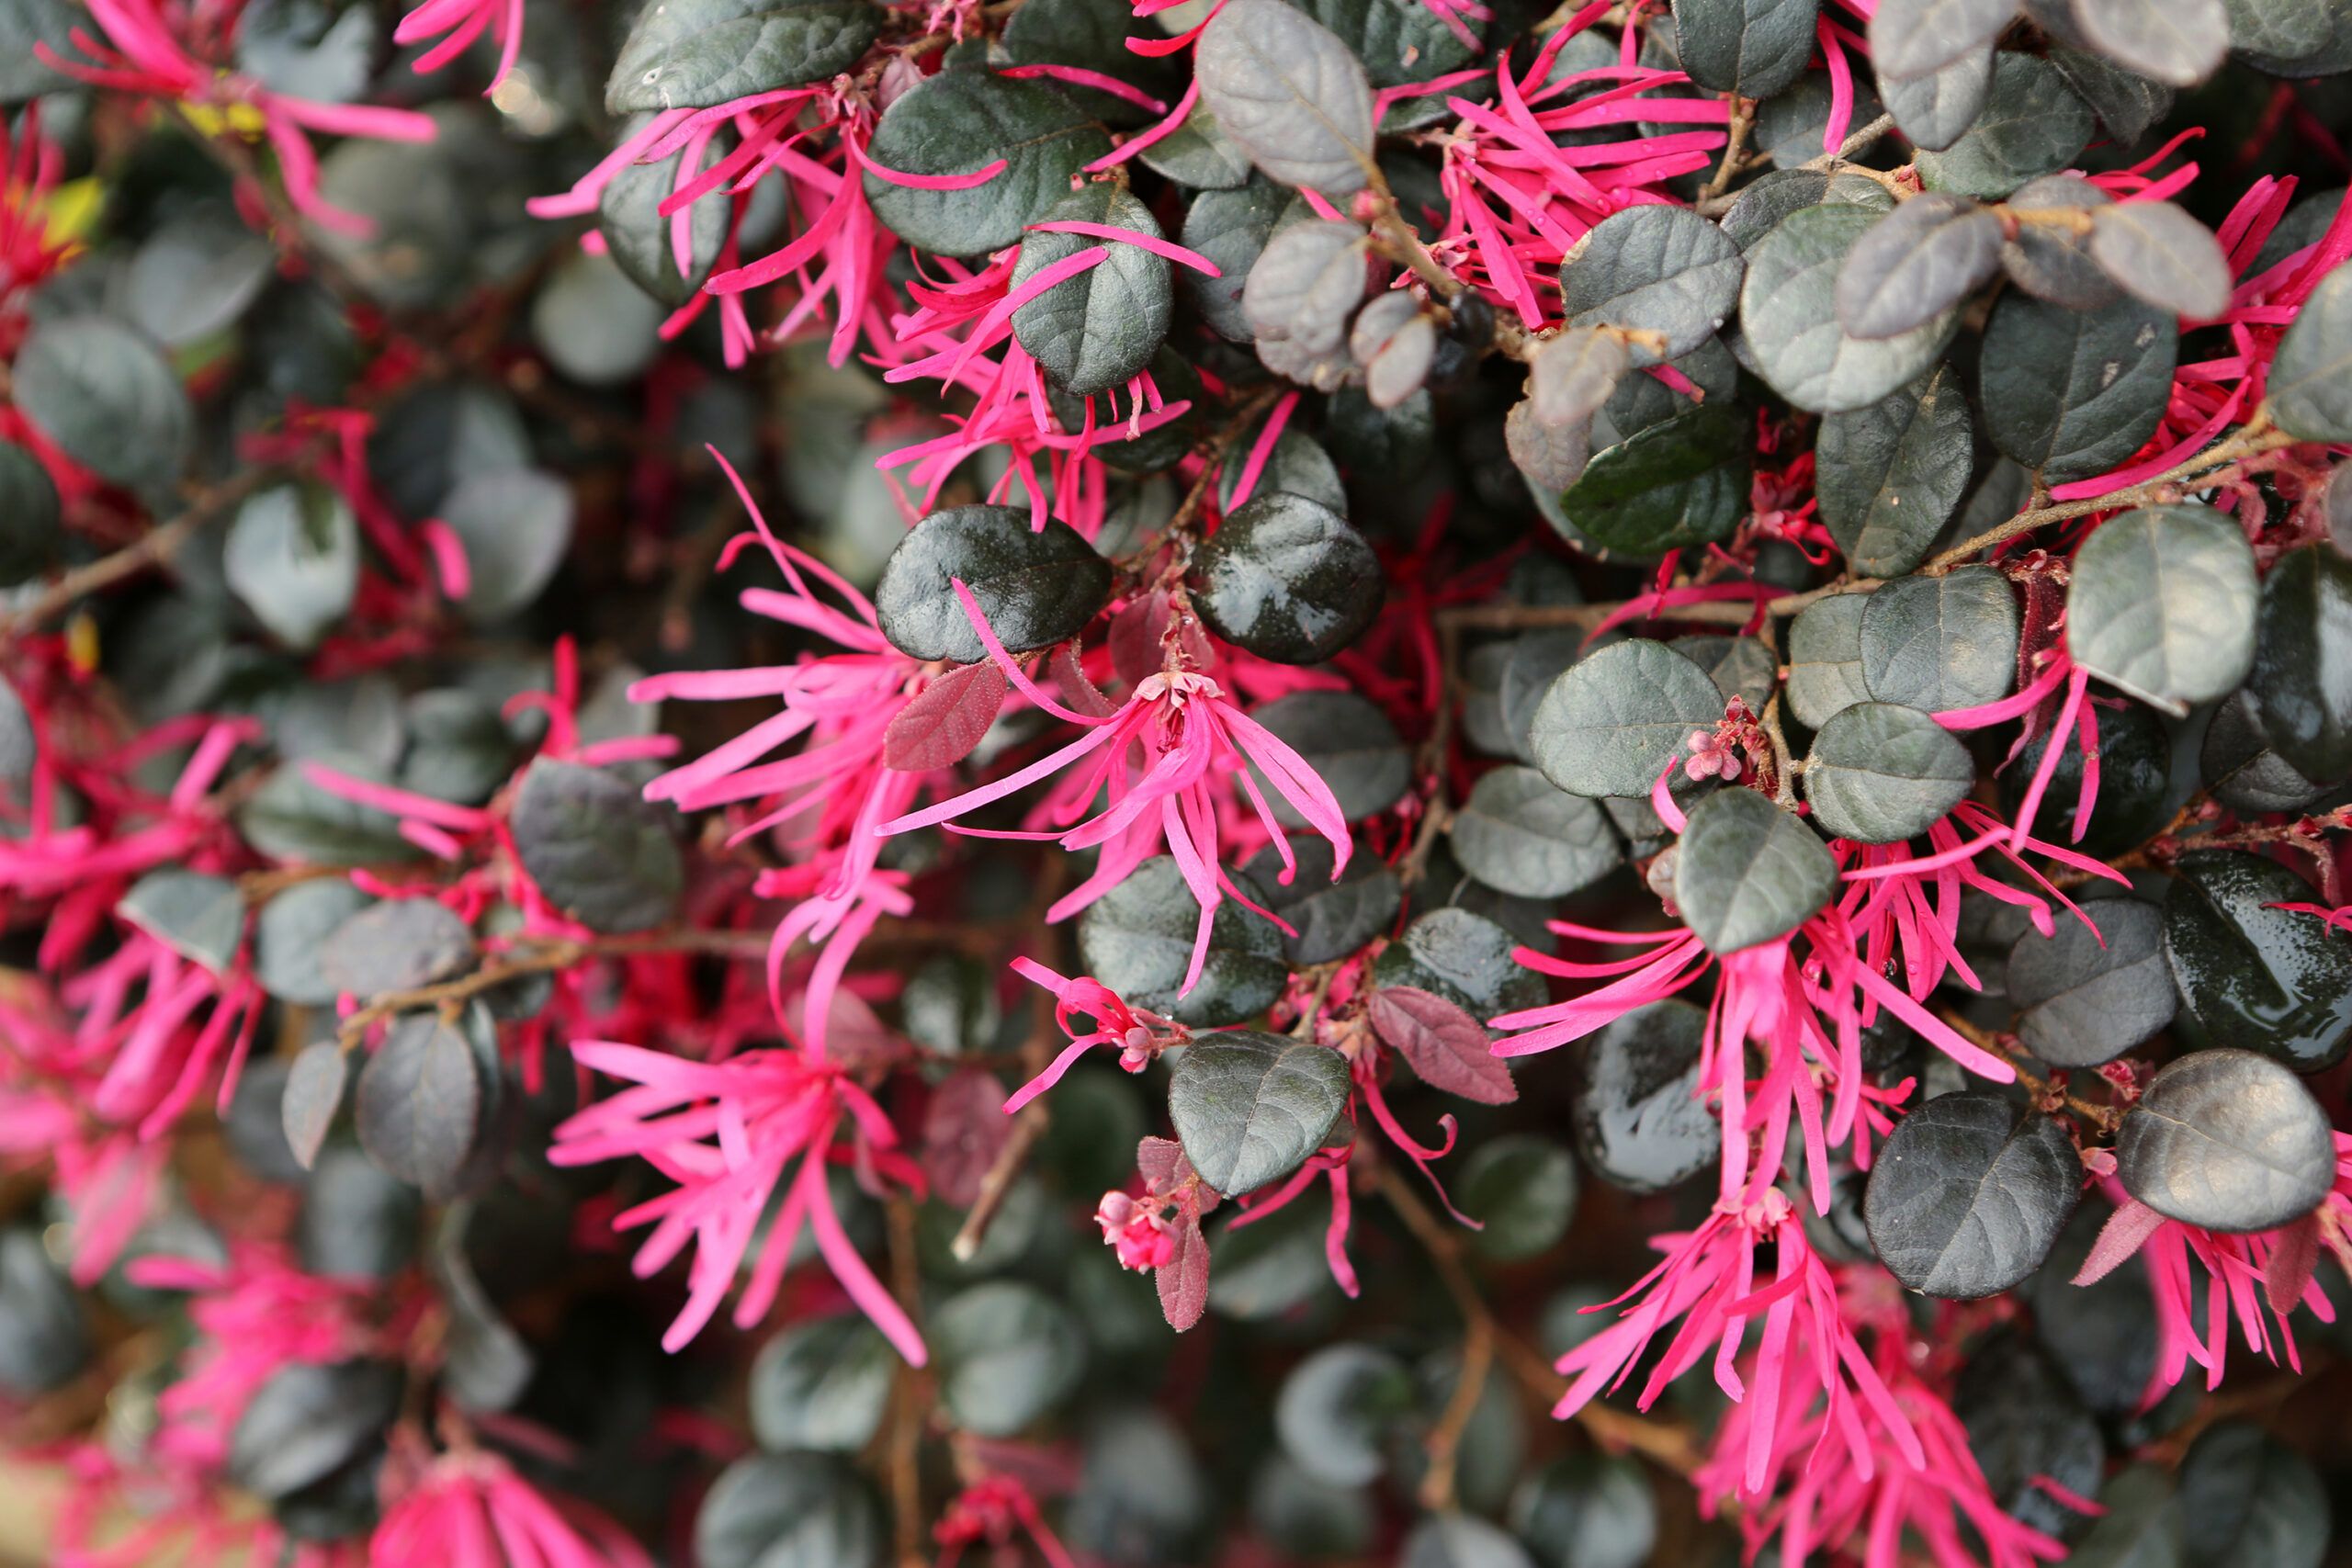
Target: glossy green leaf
(2311, 381)
(2032, 124)
(2086, 993)
(1789, 317)
(1520, 833)
(1289, 93)
(2163, 605)
(1249, 1108)
(1662, 273)
(1612, 721)
(2253, 975)
(1753, 48)
(1747, 871)
(2228, 1140)
(701, 53)
(1035, 587)
(107, 399)
(1641, 1122)
(1682, 481)
(1889, 476)
(1286, 579)
(1137, 939)
(2070, 393)
(958, 122)
(595, 848)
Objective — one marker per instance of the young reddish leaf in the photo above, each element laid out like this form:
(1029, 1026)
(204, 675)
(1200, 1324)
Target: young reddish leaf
(1183, 1280)
(964, 1128)
(940, 728)
(1445, 1045)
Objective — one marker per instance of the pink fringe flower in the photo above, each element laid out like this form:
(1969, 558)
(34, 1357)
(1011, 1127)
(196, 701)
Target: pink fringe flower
(470, 1510)
(1159, 756)
(725, 1131)
(456, 23)
(1139, 1033)
(144, 53)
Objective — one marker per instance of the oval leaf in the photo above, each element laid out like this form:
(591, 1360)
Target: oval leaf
(1879, 775)
(1249, 1108)
(2227, 1140)
(1289, 93)
(1749, 872)
(1446, 1046)
(2088, 992)
(1036, 587)
(1969, 1193)
(1286, 579)
(2163, 605)
(1611, 722)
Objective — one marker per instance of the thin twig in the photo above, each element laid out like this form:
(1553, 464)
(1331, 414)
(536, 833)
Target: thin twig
(1028, 1126)
(543, 957)
(153, 548)
(1445, 1440)
(910, 1395)
(2207, 467)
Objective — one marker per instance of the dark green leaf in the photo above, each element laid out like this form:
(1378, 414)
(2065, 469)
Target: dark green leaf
(292, 557)
(1398, 41)
(1760, 207)
(1935, 110)
(2250, 1501)
(1095, 330)
(516, 525)
(1349, 744)
(1198, 154)
(1519, 834)
(2126, 104)
(1788, 315)
(2141, 1527)
(1879, 775)
(1337, 1408)
(2162, 256)
(1523, 1189)
(1289, 93)
(29, 516)
(1653, 270)
(1910, 38)
(308, 1421)
(2163, 605)
(1890, 475)
(2032, 124)
(821, 1385)
(1286, 579)
(797, 1510)
(1573, 373)
(486, 1366)
(2070, 393)
(1463, 957)
(957, 123)
(2255, 976)
(2053, 260)
(1332, 919)
(1306, 284)
(23, 24)
(1969, 1192)
(197, 916)
(1461, 1540)
(2311, 381)
(200, 271)
(600, 852)
(1611, 722)
(641, 240)
(107, 399)
(1939, 643)
(1082, 34)
(1588, 1510)
(2175, 42)
(357, 1218)
(312, 1097)
(289, 932)
(1297, 466)
(2024, 1423)
(2302, 683)
(421, 1103)
(1682, 481)
(1249, 1108)
(701, 53)
(1230, 228)
(1036, 587)
(2284, 29)
(1825, 658)
(2228, 1140)
(1137, 939)
(2086, 994)
(2240, 769)
(1749, 872)
(1916, 263)
(44, 1341)
(395, 945)
(1754, 48)
(1641, 1122)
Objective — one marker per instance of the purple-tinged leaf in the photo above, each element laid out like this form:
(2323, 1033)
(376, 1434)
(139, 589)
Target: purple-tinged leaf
(1444, 1044)
(940, 728)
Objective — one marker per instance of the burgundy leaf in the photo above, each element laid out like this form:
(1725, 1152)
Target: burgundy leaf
(945, 720)
(1446, 1046)
(1162, 1165)
(1184, 1279)
(1079, 693)
(2292, 1262)
(2126, 1229)
(964, 1129)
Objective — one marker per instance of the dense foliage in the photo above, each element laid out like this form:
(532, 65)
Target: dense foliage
(788, 784)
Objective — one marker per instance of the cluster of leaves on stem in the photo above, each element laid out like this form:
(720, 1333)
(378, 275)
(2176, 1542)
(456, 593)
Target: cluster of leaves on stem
(822, 782)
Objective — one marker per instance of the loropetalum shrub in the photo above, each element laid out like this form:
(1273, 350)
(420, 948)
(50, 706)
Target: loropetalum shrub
(800, 782)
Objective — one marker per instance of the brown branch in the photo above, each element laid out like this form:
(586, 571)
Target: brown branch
(153, 548)
(2103, 1117)
(910, 1395)
(544, 958)
(2211, 466)
(1028, 1126)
